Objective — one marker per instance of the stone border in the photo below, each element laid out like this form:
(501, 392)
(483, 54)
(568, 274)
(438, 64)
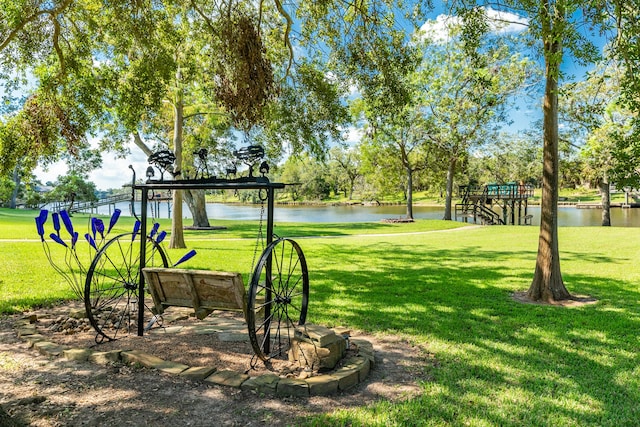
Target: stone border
(354, 370)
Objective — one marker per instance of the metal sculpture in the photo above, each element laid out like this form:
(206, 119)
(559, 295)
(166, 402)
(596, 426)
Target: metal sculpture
(278, 291)
(163, 160)
(250, 156)
(113, 286)
(202, 168)
(109, 284)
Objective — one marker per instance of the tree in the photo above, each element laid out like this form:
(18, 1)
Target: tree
(307, 115)
(509, 158)
(40, 129)
(7, 188)
(465, 96)
(552, 26)
(453, 100)
(368, 48)
(71, 188)
(626, 49)
(126, 59)
(205, 56)
(598, 155)
(381, 169)
(403, 136)
(344, 165)
(308, 176)
(593, 115)
(555, 26)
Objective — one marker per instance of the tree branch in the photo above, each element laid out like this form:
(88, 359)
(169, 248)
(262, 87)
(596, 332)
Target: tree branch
(53, 12)
(203, 113)
(137, 140)
(287, 32)
(56, 45)
(206, 19)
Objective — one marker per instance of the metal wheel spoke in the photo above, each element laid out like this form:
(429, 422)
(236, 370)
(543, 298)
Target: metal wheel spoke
(285, 289)
(119, 268)
(288, 291)
(267, 321)
(102, 274)
(126, 257)
(108, 299)
(111, 286)
(292, 306)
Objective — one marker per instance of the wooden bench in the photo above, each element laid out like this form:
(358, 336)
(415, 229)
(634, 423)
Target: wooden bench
(203, 290)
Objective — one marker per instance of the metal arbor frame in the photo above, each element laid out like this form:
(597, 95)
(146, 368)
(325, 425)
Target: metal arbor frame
(249, 183)
(278, 293)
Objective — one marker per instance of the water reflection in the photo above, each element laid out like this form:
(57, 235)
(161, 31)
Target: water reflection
(567, 216)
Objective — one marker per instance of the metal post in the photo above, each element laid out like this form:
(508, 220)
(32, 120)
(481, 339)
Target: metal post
(513, 211)
(143, 257)
(268, 283)
(270, 209)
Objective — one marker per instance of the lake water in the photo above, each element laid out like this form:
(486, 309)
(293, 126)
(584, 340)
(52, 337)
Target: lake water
(567, 216)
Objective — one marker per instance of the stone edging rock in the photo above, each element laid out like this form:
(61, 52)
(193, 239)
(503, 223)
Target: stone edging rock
(353, 371)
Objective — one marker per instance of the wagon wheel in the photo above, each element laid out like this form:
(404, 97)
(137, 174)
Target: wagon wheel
(111, 286)
(278, 298)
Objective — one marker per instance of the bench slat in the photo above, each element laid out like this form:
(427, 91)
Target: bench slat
(203, 290)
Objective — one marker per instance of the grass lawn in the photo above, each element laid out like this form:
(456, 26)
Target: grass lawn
(489, 360)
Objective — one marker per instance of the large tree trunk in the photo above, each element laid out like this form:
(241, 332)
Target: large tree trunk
(409, 193)
(449, 190)
(547, 284)
(605, 197)
(137, 140)
(198, 206)
(177, 225)
(177, 232)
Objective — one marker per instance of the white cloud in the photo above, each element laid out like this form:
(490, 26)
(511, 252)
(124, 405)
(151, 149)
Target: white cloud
(114, 172)
(439, 29)
(506, 22)
(52, 172)
(353, 135)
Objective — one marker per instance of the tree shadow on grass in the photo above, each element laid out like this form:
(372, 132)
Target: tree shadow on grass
(500, 362)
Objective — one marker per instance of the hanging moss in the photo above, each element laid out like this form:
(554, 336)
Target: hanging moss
(244, 83)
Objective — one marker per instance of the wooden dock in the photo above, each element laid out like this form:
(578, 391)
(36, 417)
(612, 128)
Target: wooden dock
(495, 204)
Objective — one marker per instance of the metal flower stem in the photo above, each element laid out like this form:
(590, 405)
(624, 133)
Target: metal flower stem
(70, 275)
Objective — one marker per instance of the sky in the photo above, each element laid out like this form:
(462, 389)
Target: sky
(115, 172)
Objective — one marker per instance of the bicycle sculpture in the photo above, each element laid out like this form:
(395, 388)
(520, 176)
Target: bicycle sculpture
(133, 266)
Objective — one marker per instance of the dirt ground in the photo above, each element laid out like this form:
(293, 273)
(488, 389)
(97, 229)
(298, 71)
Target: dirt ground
(39, 391)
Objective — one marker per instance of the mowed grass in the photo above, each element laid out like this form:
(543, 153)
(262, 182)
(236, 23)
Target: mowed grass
(27, 279)
(487, 360)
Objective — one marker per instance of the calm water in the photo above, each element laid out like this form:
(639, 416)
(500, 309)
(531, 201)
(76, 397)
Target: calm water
(567, 216)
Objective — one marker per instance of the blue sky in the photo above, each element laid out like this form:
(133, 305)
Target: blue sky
(115, 172)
